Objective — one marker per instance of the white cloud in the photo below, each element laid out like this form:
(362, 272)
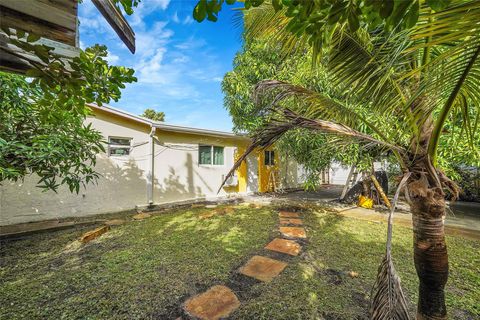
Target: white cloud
(175, 18)
(188, 20)
(145, 8)
(112, 58)
(217, 79)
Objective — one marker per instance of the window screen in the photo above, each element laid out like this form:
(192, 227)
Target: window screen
(210, 155)
(269, 158)
(205, 154)
(218, 156)
(119, 146)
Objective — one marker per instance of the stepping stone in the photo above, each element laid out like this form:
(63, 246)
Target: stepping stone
(115, 222)
(294, 221)
(90, 235)
(215, 303)
(262, 268)
(207, 215)
(284, 246)
(210, 206)
(288, 214)
(293, 232)
(141, 216)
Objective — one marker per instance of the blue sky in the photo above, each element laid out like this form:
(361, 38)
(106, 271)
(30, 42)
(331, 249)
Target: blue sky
(179, 62)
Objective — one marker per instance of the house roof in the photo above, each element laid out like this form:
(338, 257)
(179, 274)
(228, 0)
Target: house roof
(167, 127)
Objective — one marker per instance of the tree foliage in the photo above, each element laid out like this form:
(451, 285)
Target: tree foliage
(153, 115)
(260, 60)
(413, 70)
(42, 127)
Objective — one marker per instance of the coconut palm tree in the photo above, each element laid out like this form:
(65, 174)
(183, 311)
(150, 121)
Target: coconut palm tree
(413, 78)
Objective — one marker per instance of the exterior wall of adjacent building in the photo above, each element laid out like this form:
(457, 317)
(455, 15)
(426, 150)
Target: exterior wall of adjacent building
(338, 174)
(124, 179)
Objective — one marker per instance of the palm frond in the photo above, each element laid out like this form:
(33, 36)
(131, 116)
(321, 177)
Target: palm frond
(315, 105)
(455, 23)
(264, 22)
(287, 120)
(388, 300)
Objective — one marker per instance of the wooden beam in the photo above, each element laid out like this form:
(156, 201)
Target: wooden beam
(117, 21)
(47, 11)
(16, 20)
(15, 63)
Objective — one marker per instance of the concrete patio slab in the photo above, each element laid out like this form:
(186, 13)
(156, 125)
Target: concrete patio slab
(262, 268)
(284, 246)
(215, 303)
(297, 222)
(293, 232)
(288, 214)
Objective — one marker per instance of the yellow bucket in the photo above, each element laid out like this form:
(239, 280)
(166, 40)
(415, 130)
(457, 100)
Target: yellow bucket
(365, 202)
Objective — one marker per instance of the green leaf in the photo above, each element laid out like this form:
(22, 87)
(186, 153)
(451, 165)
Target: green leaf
(412, 15)
(386, 8)
(32, 37)
(200, 11)
(20, 33)
(277, 5)
(353, 22)
(438, 5)
(34, 73)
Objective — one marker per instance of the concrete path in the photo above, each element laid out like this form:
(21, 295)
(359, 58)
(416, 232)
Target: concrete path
(463, 218)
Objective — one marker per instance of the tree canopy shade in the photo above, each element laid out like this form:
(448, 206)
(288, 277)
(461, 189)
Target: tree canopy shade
(153, 115)
(42, 127)
(412, 64)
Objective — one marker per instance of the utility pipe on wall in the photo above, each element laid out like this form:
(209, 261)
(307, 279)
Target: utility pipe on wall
(150, 174)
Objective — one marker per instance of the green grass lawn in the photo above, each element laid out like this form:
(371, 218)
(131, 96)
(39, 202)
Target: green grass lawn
(146, 269)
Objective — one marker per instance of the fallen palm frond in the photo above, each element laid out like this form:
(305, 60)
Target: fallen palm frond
(276, 128)
(388, 301)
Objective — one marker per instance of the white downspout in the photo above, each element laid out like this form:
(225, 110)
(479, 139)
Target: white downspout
(150, 173)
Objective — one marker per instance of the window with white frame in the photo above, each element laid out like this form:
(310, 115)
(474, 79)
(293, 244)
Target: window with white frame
(119, 146)
(269, 158)
(210, 155)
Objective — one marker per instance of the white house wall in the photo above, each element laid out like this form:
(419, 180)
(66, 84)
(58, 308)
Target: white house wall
(338, 173)
(178, 174)
(123, 184)
(121, 187)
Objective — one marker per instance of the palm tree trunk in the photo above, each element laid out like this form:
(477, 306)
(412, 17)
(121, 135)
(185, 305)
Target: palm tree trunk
(430, 250)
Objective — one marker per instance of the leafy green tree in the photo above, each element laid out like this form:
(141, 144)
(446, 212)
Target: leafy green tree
(260, 60)
(42, 128)
(409, 63)
(153, 115)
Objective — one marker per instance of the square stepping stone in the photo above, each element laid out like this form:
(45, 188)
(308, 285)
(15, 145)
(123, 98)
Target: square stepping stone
(284, 246)
(90, 235)
(288, 214)
(141, 216)
(297, 222)
(262, 268)
(293, 232)
(114, 222)
(215, 303)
